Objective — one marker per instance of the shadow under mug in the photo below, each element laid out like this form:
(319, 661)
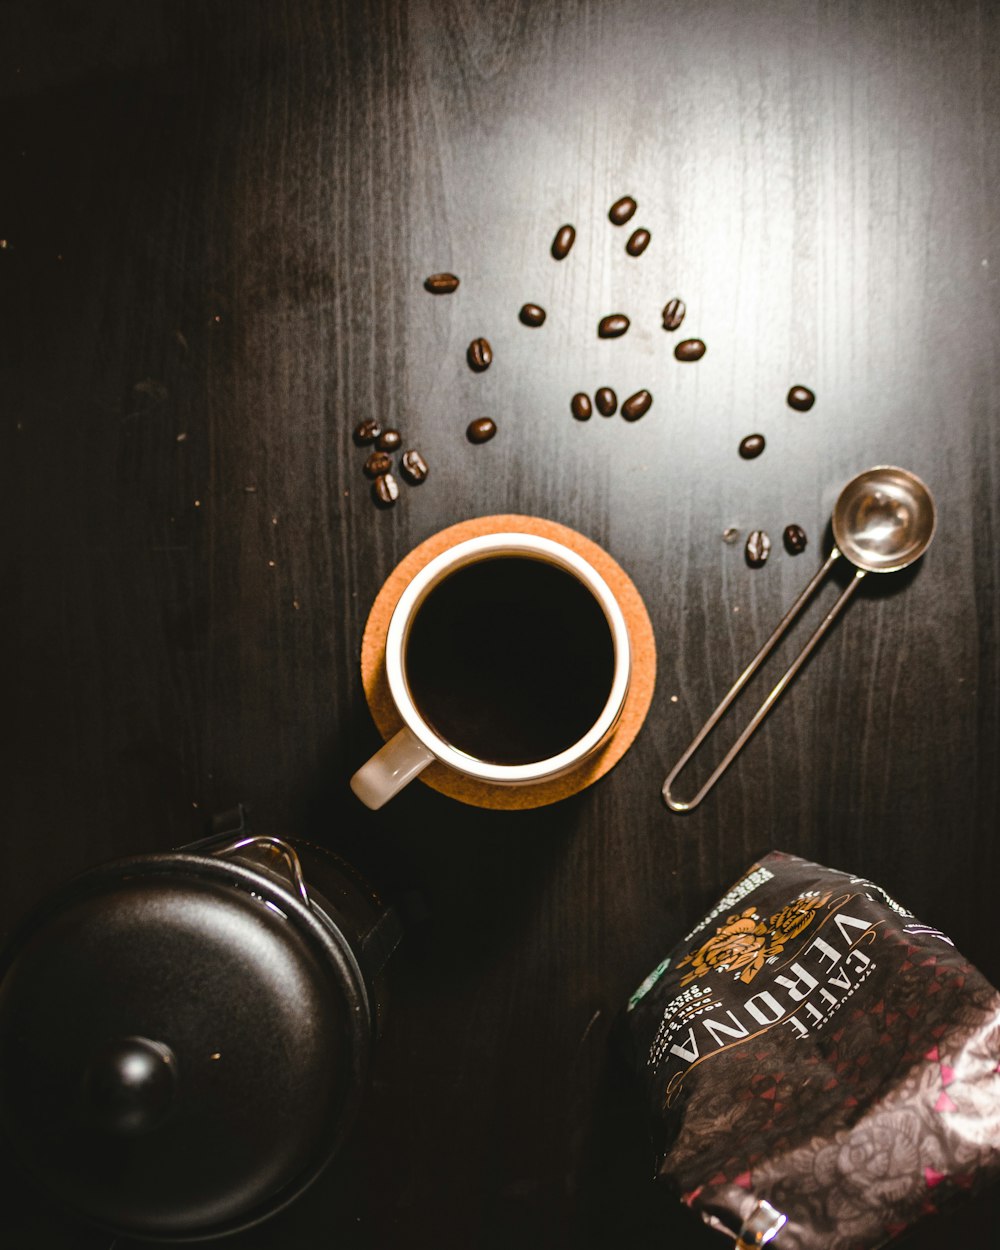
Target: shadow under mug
(417, 744)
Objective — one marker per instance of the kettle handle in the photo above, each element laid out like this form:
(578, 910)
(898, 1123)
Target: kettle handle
(283, 848)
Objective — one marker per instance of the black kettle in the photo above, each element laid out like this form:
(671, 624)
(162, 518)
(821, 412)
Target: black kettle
(185, 1038)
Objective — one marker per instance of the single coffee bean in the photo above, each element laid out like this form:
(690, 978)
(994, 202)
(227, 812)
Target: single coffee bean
(378, 462)
(690, 349)
(390, 440)
(580, 406)
(613, 326)
(367, 432)
(479, 355)
(673, 314)
(730, 535)
(565, 237)
(795, 539)
(621, 210)
(638, 242)
(481, 430)
(752, 446)
(414, 467)
(801, 397)
(532, 315)
(758, 548)
(385, 490)
(441, 283)
(607, 401)
(637, 405)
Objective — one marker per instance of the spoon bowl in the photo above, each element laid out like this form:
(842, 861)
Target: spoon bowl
(884, 519)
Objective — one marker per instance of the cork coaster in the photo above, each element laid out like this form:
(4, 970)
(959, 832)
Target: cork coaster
(637, 701)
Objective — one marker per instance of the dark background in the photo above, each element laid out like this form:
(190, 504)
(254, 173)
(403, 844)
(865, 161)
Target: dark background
(217, 219)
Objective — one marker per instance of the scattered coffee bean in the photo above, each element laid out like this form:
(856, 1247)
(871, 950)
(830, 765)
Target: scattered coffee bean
(613, 326)
(690, 349)
(532, 315)
(481, 430)
(637, 405)
(479, 355)
(441, 283)
(752, 446)
(758, 548)
(673, 314)
(621, 210)
(730, 535)
(378, 462)
(390, 440)
(580, 406)
(367, 432)
(801, 397)
(385, 490)
(638, 242)
(607, 401)
(795, 539)
(414, 467)
(565, 237)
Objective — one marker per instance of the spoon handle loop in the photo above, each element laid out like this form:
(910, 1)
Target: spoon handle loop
(678, 805)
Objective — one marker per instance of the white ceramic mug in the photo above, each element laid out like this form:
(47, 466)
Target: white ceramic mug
(416, 745)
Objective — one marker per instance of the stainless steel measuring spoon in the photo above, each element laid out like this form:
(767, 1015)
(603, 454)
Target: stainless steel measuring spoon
(883, 520)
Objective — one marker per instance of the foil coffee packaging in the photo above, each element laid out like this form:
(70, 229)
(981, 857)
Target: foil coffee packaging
(822, 1070)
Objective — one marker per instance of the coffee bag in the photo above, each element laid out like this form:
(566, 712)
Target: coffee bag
(822, 1069)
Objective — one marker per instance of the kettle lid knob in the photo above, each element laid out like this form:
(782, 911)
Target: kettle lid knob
(129, 1086)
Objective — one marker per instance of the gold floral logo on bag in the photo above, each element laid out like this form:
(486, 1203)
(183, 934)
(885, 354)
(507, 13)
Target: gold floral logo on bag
(745, 942)
(795, 918)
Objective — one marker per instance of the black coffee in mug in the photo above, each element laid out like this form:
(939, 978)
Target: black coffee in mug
(510, 659)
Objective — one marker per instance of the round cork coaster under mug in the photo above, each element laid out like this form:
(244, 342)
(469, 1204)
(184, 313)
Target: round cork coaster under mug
(637, 701)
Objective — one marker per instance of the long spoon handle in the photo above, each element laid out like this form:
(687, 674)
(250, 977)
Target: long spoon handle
(678, 805)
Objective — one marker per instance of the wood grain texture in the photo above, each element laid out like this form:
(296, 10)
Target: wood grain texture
(218, 222)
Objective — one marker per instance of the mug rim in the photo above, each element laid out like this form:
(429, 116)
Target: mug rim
(472, 551)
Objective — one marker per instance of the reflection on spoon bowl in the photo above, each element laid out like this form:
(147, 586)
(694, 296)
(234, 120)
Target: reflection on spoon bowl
(884, 519)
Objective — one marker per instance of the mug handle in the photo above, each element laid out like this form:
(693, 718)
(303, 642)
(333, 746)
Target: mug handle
(388, 770)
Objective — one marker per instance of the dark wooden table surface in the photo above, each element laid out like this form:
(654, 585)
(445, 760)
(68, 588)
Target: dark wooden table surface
(216, 221)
